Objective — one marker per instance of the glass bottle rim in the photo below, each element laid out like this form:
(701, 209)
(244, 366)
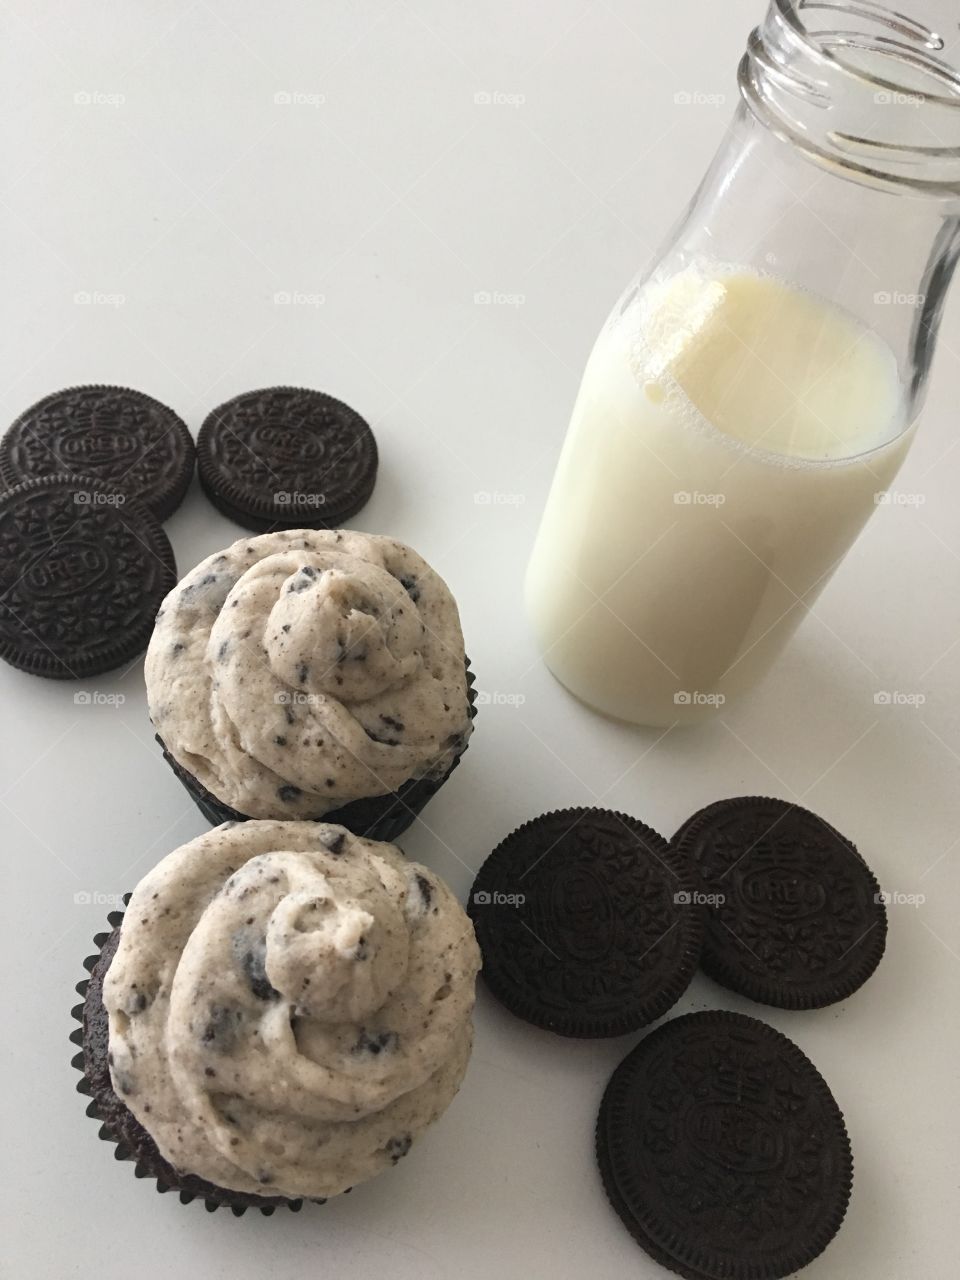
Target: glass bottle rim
(929, 42)
(824, 90)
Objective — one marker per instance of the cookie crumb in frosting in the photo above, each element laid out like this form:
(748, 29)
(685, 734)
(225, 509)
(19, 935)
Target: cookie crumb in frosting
(295, 1037)
(350, 635)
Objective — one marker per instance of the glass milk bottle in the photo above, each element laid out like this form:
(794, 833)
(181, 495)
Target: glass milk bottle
(754, 391)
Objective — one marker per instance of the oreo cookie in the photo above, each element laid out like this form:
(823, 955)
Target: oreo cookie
(795, 917)
(588, 923)
(113, 434)
(723, 1151)
(83, 571)
(118, 1123)
(285, 458)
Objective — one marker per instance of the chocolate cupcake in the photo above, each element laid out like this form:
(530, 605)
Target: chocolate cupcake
(282, 1011)
(311, 674)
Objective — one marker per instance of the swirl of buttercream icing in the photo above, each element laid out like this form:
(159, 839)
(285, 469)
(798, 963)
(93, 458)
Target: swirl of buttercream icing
(290, 1006)
(300, 670)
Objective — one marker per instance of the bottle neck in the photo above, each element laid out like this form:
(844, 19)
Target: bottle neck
(869, 93)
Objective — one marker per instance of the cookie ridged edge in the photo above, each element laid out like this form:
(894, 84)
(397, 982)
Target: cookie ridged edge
(260, 514)
(584, 1028)
(675, 1251)
(168, 501)
(770, 992)
(44, 662)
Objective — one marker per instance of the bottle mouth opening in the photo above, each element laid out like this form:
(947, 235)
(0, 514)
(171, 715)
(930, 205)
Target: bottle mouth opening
(907, 44)
(861, 86)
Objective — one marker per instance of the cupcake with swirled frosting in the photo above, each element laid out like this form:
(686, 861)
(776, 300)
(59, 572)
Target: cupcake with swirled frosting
(284, 1008)
(311, 674)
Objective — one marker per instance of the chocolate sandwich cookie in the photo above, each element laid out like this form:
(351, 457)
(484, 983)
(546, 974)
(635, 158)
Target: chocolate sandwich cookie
(286, 458)
(83, 569)
(588, 923)
(122, 437)
(795, 917)
(723, 1151)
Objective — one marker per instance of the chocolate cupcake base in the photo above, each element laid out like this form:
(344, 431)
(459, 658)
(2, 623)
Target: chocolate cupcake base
(119, 1125)
(375, 817)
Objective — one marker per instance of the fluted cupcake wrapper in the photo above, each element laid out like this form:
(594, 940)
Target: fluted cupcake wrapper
(375, 817)
(119, 1126)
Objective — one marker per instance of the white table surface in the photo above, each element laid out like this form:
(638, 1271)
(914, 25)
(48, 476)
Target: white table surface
(181, 198)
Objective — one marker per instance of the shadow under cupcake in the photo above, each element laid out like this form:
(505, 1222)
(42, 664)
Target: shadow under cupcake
(312, 674)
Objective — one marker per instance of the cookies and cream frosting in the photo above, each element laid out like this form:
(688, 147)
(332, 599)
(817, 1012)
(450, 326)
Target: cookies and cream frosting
(289, 1006)
(299, 670)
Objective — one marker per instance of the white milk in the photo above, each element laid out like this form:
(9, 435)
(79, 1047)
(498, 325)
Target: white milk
(726, 447)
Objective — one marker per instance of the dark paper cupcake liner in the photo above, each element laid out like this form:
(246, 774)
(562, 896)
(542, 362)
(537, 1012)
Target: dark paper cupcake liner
(118, 1124)
(376, 817)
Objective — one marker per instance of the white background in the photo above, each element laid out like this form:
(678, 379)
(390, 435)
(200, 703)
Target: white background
(398, 197)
